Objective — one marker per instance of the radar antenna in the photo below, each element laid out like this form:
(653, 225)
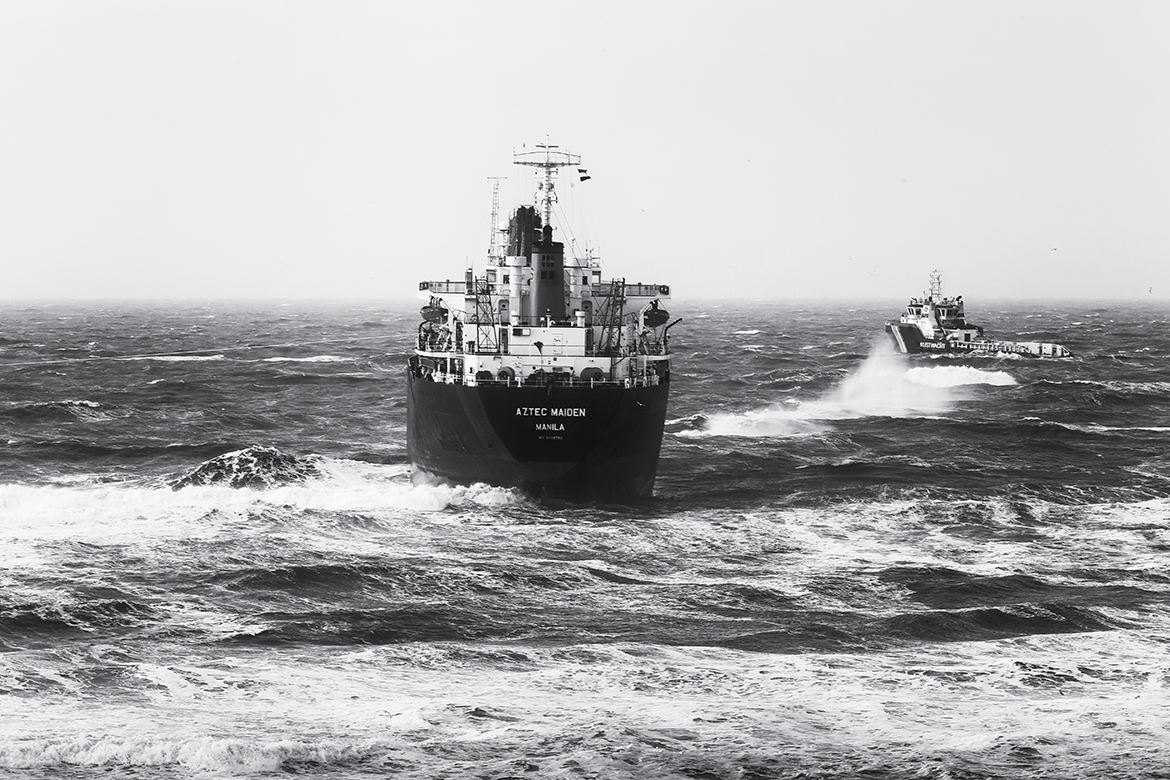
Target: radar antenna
(548, 158)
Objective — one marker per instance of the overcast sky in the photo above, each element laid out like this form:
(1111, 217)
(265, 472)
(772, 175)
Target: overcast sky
(749, 149)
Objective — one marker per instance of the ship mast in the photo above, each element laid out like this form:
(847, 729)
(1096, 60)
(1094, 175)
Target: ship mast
(936, 285)
(493, 244)
(548, 158)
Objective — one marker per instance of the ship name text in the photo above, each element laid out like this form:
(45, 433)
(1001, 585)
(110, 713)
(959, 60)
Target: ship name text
(542, 411)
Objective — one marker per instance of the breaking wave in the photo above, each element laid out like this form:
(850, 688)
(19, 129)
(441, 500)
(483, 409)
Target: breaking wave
(177, 358)
(883, 385)
(254, 467)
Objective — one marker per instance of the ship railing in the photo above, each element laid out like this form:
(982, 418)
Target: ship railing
(448, 287)
(448, 348)
(594, 290)
(639, 290)
(454, 378)
(439, 345)
(542, 321)
(1011, 346)
(561, 380)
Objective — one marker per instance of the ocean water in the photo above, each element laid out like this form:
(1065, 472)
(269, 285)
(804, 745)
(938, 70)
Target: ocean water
(857, 564)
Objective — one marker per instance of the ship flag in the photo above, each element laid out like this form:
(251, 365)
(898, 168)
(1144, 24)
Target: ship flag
(583, 174)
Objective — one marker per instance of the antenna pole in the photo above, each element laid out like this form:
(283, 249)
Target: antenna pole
(492, 242)
(936, 284)
(547, 159)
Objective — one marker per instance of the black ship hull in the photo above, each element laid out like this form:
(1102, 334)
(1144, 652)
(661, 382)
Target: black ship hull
(908, 339)
(561, 441)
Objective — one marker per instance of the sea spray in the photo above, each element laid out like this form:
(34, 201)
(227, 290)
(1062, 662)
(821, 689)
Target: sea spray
(884, 384)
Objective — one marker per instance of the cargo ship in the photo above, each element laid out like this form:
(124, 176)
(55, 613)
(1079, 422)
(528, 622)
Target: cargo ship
(538, 373)
(937, 324)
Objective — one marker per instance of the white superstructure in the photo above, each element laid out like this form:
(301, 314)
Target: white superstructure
(537, 316)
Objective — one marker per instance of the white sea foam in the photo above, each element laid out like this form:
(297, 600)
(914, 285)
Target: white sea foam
(130, 513)
(432, 710)
(957, 376)
(314, 359)
(1097, 428)
(170, 707)
(176, 358)
(883, 385)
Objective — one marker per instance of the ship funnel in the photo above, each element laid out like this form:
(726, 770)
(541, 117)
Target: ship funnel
(523, 227)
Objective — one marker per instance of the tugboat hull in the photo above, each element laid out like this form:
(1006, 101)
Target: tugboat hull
(908, 339)
(561, 441)
(935, 323)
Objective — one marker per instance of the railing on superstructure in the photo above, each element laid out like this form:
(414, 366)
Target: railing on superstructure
(595, 290)
(442, 342)
(610, 316)
(640, 290)
(648, 379)
(1012, 347)
(449, 372)
(446, 287)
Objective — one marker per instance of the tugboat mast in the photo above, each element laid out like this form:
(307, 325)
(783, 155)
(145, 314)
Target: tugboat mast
(936, 285)
(549, 158)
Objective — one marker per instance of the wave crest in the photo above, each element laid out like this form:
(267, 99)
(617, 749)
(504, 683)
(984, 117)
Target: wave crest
(252, 467)
(883, 385)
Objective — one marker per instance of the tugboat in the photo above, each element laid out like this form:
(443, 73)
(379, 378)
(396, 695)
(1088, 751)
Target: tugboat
(538, 374)
(936, 324)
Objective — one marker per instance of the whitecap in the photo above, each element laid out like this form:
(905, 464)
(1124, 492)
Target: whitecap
(881, 386)
(175, 358)
(956, 376)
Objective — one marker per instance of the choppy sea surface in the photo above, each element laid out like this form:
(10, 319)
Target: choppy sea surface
(857, 564)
